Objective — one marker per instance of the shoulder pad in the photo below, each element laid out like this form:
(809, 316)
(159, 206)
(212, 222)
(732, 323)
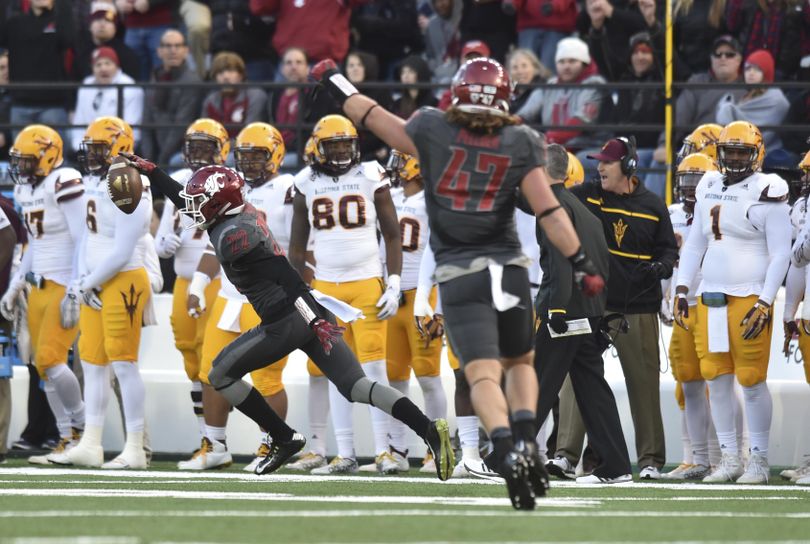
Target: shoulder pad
(68, 173)
(709, 180)
(675, 208)
(373, 171)
(67, 184)
(238, 238)
(301, 179)
(182, 175)
(769, 188)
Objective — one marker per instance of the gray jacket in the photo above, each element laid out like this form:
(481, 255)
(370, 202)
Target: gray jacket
(438, 35)
(769, 108)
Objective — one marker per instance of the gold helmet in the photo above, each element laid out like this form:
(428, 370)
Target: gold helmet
(690, 170)
(576, 173)
(702, 140)
(206, 143)
(402, 168)
(740, 136)
(104, 139)
(259, 151)
(804, 166)
(336, 145)
(309, 151)
(37, 150)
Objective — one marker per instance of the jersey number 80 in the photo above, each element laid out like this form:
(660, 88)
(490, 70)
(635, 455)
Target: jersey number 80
(351, 212)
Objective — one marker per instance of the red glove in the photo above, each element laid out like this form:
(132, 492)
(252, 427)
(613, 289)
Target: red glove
(791, 332)
(317, 72)
(327, 333)
(327, 76)
(142, 165)
(586, 275)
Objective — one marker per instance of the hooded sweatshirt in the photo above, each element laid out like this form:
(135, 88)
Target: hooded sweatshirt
(443, 44)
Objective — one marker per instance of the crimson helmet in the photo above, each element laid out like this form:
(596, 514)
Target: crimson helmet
(481, 85)
(212, 192)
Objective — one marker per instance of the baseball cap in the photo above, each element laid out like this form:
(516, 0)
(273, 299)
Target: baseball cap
(613, 150)
(727, 39)
(475, 46)
(106, 53)
(103, 10)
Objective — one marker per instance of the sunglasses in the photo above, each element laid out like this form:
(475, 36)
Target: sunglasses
(726, 54)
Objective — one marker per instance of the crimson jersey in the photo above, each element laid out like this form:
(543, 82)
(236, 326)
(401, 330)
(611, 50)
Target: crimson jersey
(471, 183)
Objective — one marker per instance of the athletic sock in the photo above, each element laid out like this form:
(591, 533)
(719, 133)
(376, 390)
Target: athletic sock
(96, 393)
(318, 403)
(60, 415)
(721, 395)
(697, 415)
(399, 430)
(380, 421)
(256, 408)
(468, 436)
(133, 394)
(342, 423)
(502, 442)
(407, 412)
(197, 403)
(524, 426)
(69, 392)
(759, 412)
(685, 442)
(435, 397)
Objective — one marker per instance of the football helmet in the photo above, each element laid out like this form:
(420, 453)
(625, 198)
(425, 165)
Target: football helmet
(206, 142)
(740, 150)
(37, 150)
(690, 170)
(576, 173)
(335, 144)
(309, 151)
(212, 192)
(104, 139)
(702, 140)
(482, 85)
(258, 152)
(804, 166)
(402, 168)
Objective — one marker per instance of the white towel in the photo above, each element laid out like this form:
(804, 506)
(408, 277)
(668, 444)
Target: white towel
(500, 299)
(718, 329)
(149, 317)
(229, 320)
(345, 312)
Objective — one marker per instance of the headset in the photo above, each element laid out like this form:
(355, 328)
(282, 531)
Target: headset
(630, 160)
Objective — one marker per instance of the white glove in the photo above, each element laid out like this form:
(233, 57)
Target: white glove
(69, 310)
(84, 294)
(421, 303)
(169, 244)
(8, 304)
(389, 301)
(196, 294)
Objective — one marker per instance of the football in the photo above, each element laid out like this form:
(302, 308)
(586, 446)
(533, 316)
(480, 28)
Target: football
(124, 185)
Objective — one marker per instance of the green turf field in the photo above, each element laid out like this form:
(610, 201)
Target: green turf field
(162, 505)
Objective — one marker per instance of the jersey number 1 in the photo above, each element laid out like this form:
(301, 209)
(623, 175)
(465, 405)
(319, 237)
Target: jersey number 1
(715, 213)
(455, 182)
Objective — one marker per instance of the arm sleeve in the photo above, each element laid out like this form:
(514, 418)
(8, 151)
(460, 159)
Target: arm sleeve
(692, 252)
(777, 235)
(75, 214)
(152, 264)
(427, 266)
(128, 230)
(794, 290)
(168, 186)
(25, 266)
(166, 226)
(533, 107)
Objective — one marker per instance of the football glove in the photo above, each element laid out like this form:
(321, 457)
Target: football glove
(142, 165)
(169, 244)
(327, 333)
(421, 304)
(69, 310)
(681, 313)
(389, 301)
(791, 332)
(556, 320)
(653, 269)
(586, 276)
(83, 294)
(8, 304)
(430, 328)
(195, 303)
(327, 75)
(756, 320)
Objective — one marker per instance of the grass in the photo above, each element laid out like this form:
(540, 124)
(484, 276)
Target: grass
(163, 505)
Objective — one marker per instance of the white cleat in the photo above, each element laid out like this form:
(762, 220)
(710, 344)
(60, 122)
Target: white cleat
(63, 446)
(460, 470)
(803, 481)
(429, 465)
(261, 453)
(729, 469)
(687, 472)
(308, 462)
(129, 459)
(757, 471)
(478, 468)
(388, 464)
(82, 455)
(649, 473)
(801, 471)
(211, 455)
(561, 468)
(338, 465)
(594, 479)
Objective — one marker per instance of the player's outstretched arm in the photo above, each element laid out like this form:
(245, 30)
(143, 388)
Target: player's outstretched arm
(362, 110)
(160, 179)
(299, 234)
(553, 219)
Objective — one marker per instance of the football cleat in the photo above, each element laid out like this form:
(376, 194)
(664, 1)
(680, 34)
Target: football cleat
(538, 476)
(82, 454)
(261, 453)
(594, 479)
(428, 464)
(562, 468)
(279, 453)
(515, 472)
(308, 462)
(460, 470)
(729, 469)
(801, 471)
(687, 472)
(387, 464)
(211, 455)
(63, 446)
(804, 480)
(338, 465)
(477, 468)
(132, 458)
(649, 473)
(757, 471)
(438, 442)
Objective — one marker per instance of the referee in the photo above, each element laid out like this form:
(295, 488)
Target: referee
(561, 305)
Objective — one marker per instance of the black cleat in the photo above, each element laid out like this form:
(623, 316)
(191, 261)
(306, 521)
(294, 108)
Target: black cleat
(538, 475)
(438, 441)
(280, 453)
(515, 471)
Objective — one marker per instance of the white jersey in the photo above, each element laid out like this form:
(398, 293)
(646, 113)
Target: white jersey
(4, 222)
(413, 225)
(343, 221)
(273, 199)
(737, 255)
(681, 224)
(101, 218)
(798, 215)
(49, 236)
(526, 226)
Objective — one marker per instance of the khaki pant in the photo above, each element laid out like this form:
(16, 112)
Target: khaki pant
(197, 18)
(5, 413)
(571, 431)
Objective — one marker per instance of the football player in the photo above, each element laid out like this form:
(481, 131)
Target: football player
(291, 318)
(53, 207)
(114, 288)
(340, 201)
(796, 288)
(701, 140)
(473, 158)
(205, 143)
(259, 152)
(413, 344)
(740, 242)
(682, 354)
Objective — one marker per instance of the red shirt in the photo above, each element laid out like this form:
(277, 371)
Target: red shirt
(287, 114)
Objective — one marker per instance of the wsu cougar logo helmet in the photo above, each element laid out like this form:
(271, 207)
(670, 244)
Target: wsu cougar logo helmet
(213, 192)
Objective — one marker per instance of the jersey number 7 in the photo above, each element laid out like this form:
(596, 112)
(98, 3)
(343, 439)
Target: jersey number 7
(455, 182)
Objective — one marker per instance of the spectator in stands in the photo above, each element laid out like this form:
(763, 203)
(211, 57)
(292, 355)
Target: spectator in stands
(442, 40)
(697, 23)
(486, 21)
(362, 67)
(236, 29)
(197, 19)
(388, 28)
(38, 42)
(525, 70)
(413, 70)
(284, 104)
(5, 107)
(606, 27)
(146, 21)
(773, 25)
(233, 107)
(471, 50)
(762, 107)
(319, 27)
(798, 114)
(93, 102)
(175, 104)
(103, 31)
(543, 23)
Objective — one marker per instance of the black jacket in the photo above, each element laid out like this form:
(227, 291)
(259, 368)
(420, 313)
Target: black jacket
(388, 28)
(610, 45)
(641, 106)
(557, 289)
(234, 28)
(638, 231)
